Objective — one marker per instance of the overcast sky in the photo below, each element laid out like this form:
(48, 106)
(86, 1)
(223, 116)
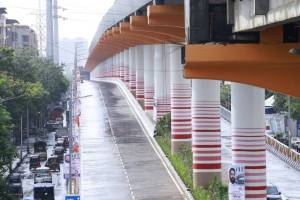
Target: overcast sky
(80, 18)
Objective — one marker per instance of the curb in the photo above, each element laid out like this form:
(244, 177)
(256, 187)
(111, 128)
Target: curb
(148, 128)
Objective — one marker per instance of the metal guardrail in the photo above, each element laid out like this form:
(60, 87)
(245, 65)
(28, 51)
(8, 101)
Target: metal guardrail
(226, 114)
(279, 149)
(282, 151)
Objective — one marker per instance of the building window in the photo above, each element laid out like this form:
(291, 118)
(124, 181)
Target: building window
(25, 38)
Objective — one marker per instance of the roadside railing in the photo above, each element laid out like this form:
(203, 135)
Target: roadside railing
(282, 151)
(279, 149)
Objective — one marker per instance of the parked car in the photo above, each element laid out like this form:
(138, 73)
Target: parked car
(66, 142)
(43, 191)
(14, 183)
(59, 152)
(34, 162)
(53, 163)
(273, 193)
(40, 148)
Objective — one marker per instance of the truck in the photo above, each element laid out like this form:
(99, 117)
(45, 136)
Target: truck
(40, 148)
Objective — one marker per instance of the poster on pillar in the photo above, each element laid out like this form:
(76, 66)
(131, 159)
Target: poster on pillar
(236, 176)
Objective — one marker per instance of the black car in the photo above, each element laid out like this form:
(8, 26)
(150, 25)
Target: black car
(14, 184)
(40, 148)
(34, 162)
(59, 152)
(53, 163)
(43, 191)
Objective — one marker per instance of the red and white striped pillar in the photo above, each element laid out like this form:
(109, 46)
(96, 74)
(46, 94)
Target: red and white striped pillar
(248, 137)
(181, 122)
(162, 104)
(149, 79)
(132, 70)
(113, 63)
(126, 68)
(117, 65)
(139, 63)
(121, 67)
(206, 130)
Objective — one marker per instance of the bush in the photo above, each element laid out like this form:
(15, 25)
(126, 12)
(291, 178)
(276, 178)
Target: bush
(183, 161)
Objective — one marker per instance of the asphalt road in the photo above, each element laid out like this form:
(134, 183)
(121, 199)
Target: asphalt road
(57, 177)
(117, 160)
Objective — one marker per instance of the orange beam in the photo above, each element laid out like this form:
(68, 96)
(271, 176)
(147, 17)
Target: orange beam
(139, 24)
(264, 65)
(166, 15)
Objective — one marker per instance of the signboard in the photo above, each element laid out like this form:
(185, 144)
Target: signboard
(72, 197)
(236, 175)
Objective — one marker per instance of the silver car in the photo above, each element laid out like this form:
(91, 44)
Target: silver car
(273, 193)
(43, 175)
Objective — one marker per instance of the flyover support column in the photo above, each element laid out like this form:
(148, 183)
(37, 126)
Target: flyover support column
(161, 82)
(206, 130)
(139, 63)
(149, 79)
(117, 66)
(126, 68)
(132, 70)
(181, 124)
(121, 67)
(248, 137)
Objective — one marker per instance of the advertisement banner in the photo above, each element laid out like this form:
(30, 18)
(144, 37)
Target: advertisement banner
(236, 175)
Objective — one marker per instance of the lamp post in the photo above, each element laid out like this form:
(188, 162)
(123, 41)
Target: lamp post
(27, 124)
(21, 131)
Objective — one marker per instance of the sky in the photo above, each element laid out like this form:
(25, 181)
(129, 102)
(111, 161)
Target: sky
(77, 18)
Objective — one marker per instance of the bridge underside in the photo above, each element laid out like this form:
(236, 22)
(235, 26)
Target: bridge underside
(265, 66)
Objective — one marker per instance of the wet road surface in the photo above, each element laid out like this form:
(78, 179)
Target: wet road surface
(117, 160)
(57, 177)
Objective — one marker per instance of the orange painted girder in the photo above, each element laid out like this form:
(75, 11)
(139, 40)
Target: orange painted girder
(173, 34)
(266, 66)
(166, 15)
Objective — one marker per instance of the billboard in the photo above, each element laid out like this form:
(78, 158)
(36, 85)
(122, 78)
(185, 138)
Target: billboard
(236, 175)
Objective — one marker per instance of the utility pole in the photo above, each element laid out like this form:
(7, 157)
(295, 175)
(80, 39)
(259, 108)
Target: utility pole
(27, 122)
(21, 132)
(49, 19)
(55, 32)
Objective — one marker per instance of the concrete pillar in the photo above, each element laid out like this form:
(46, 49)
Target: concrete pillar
(206, 130)
(248, 137)
(161, 82)
(132, 70)
(126, 68)
(139, 63)
(149, 79)
(121, 63)
(181, 124)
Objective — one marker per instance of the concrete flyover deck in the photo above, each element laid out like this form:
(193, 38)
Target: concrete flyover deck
(118, 162)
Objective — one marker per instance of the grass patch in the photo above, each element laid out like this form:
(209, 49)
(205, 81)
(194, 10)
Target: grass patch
(183, 161)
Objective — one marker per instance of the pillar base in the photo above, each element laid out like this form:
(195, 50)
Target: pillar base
(177, 145)
(203, 179)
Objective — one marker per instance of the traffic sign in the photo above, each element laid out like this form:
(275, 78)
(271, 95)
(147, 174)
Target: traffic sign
(72, 197)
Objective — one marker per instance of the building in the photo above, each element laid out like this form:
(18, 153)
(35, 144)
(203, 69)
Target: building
(15, 35)
(2, 26)
(20, 36)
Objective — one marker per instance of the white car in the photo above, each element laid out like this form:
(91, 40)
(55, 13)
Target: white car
(273, 193)
(43, 175)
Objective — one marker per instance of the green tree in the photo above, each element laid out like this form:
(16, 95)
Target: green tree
(7, 152)
(225, 95)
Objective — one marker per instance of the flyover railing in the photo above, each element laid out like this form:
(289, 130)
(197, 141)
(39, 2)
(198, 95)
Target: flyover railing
(288, 155)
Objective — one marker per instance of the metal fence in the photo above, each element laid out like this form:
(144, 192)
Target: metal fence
(279, 149)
